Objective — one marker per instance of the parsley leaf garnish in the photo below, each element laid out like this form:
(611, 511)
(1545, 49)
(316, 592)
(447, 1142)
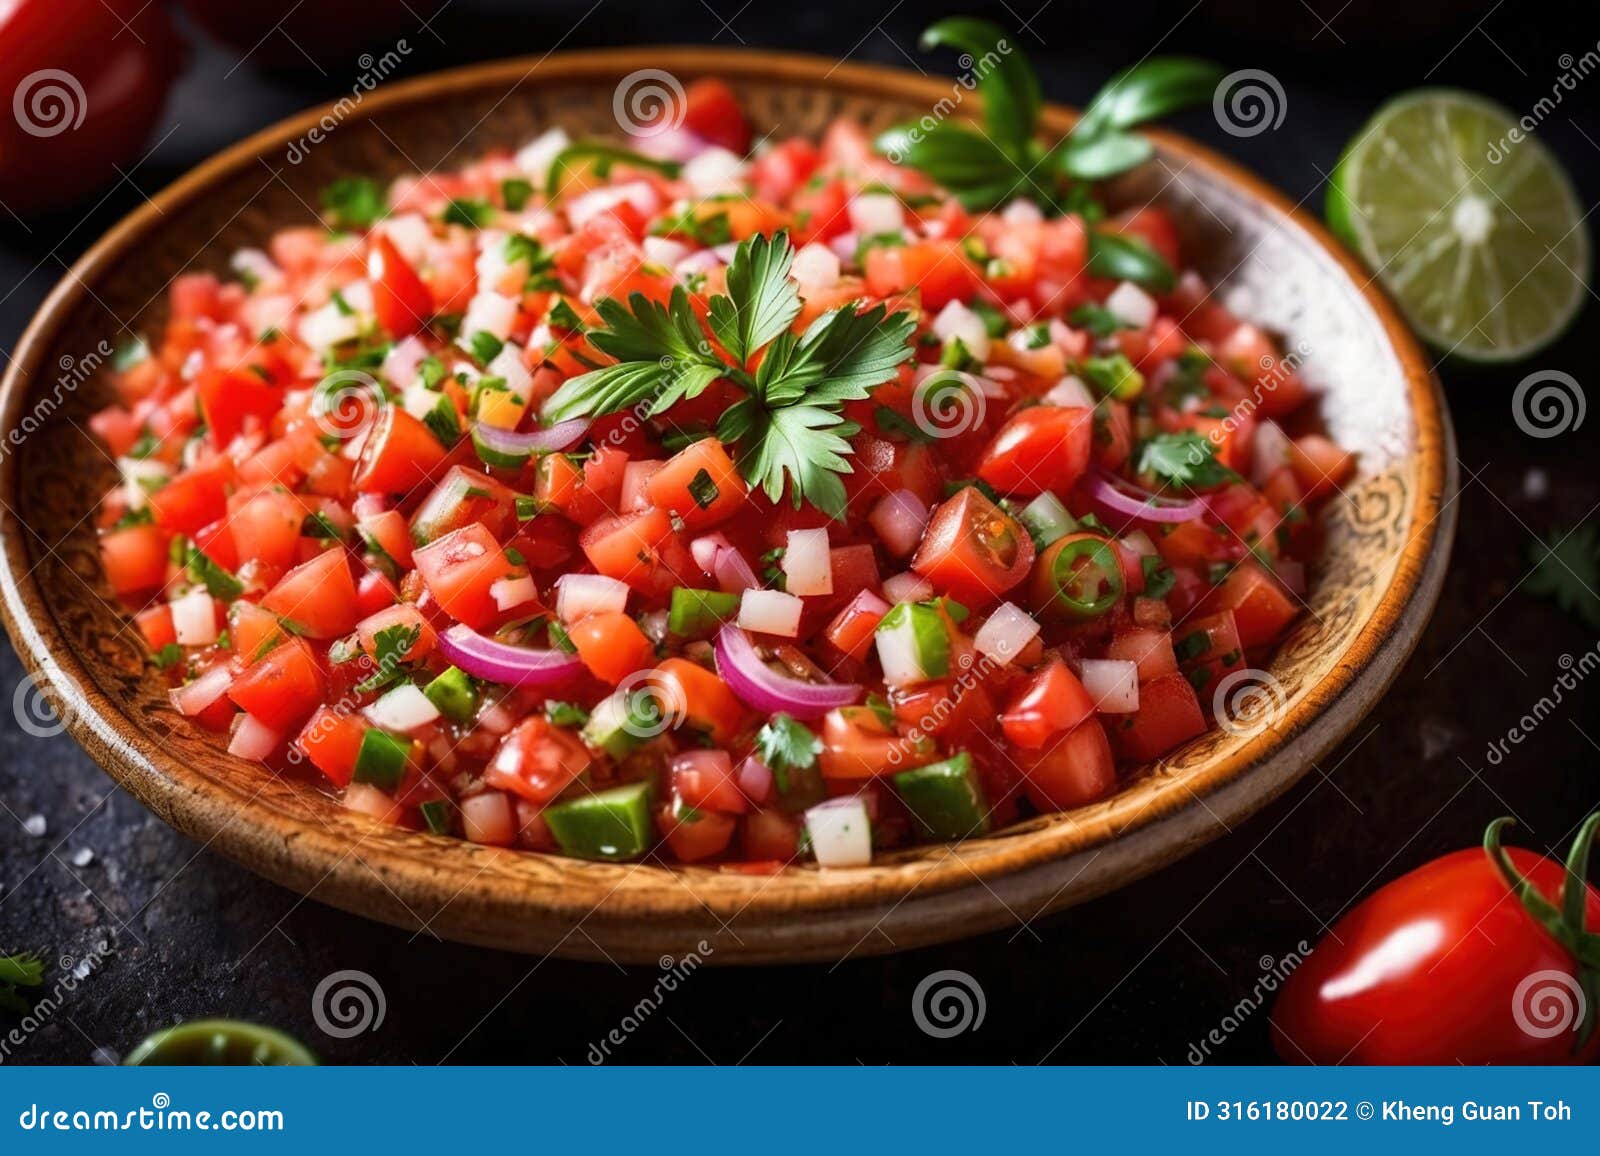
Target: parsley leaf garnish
(354, 202)
(1184, 459)
(787, 431)
(1567, 570)
(786, 745)
(391, 645)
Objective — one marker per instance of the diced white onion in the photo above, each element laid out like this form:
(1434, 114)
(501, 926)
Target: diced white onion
(358, 296)
(907, 587)
(400, 363)
(418, 400)
(410, 234)
(897, 655)
(495, 273)
(1131, 304)
(534, 157)
(1139, 542)
(664, 251)
(844, 246)
(1112, 683)
(508, 364)
(806, 564)
(899, 520)
(875, 213)
(256, 265)
(328, 326)
(715, 170)
(1269, 451)
(770, 612)
(193, 697)
(635, 476)
(1071, 393)
(252, 738)
(136, 472)
(640, 194)
(1008, 630)
(488, 313)
(956, 320)
(403, 709)
(194, 618)
(840, 833)
(511, 592)
(816, 267)
(579, 595)
(1022, 212)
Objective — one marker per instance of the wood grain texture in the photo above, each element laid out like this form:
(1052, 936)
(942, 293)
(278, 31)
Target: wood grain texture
(1387, 543)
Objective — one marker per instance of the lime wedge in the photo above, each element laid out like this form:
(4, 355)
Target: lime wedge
(1467, 220)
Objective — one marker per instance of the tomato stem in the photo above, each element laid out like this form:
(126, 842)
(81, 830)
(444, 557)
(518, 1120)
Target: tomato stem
(1567, 923)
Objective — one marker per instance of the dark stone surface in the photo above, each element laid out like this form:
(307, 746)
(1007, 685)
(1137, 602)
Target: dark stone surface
(1139, 976)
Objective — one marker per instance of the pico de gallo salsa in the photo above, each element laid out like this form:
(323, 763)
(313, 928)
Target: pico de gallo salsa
(718, 507)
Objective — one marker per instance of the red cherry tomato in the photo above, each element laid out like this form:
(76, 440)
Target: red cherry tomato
(973, 550)
(87, 81)
(1447, 965)
(400, 300)
(712, 112)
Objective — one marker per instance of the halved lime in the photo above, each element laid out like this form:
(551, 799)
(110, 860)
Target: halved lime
(220, 1043)
(1467, 220)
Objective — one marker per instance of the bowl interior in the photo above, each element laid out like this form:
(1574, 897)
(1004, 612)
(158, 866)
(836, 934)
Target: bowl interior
(1272, 268)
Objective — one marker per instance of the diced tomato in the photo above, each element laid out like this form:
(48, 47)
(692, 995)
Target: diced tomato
(318, 596)
(857, 744)
(253, 631)
(642, 550)
(852, 631)
(228, 400)
(1262, 609)
(400, 300)
(193, 498)
(1052, 703)
(537, 761)
(459, 570)
(701, 698)
(1043, 448)
(1150, 650)
(708, 781)
(611, 645)
(406, 617)
(1152, 226)
(332, 741)
(1071, 771)
(1319, 465)
(699, 484)
(973, 550)
(821, 212)
(1168, 714)
(783, 168)
(283, 687)
(135, 559)
(771, 835)
(712, 112)
(463, 496)
(155, 623)
(266, 528)
(399, 453)
(939, 269)
(1208, 649)
(696, 835)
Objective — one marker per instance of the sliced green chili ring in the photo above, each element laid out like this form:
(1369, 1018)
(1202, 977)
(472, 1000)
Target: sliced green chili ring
(219, 1042)
(1087, 577)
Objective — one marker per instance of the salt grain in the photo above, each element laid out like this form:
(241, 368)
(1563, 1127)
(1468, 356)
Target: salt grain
(82, 857)
(35, 826)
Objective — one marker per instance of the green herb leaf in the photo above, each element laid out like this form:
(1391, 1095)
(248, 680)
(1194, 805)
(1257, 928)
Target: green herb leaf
(565, 714)
(1150, 89)
(515, 191)
(1121, 258)
(22, 970)
(1566, 569)
(976, 170)
(762, 300)
(354, 202)
(1010, 89)
(391, 645)
(1184, 459)
(785, 745)
(803, 445)
(469, 212)
(218, 582)
(607, 155)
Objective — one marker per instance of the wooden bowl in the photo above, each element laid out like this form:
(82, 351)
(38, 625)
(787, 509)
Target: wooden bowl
(1387, 545)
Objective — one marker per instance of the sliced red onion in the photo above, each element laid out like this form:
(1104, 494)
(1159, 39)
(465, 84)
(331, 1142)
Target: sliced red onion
(760, 687)
(500, 662)
(1125, 498)
(1269, 451)
(561, 436)
(899, 520)
(252, 738)
(194, 697)
(733, 573)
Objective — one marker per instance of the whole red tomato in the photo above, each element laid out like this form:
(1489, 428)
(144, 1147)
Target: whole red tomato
(1480, 957)
(83, 83)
